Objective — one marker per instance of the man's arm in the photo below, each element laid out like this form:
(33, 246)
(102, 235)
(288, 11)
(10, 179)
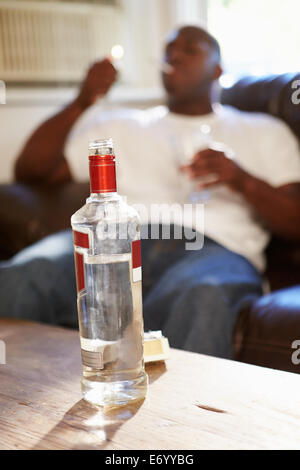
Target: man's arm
(278, 207)
(42, 159)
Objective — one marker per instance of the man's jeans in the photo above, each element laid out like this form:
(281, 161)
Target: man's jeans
(192, 296)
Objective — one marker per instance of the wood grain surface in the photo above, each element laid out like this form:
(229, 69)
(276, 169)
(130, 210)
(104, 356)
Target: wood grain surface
(194, 401)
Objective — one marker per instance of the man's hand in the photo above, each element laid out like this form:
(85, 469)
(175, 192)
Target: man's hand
(39, 163)
(278, 207)
(220, 169)
(97, 82)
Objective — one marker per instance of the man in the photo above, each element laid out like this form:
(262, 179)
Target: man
(195, 296)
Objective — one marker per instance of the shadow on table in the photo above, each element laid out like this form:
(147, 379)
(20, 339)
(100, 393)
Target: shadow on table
(155, 370)
(87, 427)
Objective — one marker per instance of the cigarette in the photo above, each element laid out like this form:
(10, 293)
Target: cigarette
(163, 65)
(166, 67)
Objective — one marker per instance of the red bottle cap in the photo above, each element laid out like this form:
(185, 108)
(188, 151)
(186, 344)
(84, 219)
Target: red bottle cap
(102, 174)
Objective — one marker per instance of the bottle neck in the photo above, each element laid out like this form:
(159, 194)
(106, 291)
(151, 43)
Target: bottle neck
(102, 174)
(103, 196)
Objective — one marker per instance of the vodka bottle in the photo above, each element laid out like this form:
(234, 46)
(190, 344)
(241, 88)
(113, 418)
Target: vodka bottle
(106, 234)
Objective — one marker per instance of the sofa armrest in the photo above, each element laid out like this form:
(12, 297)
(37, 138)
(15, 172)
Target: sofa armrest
(28, 213)
(265, 332)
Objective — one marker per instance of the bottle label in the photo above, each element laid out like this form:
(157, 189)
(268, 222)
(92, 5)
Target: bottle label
(79, 268)
(97, 352)
(81, 241)
(136, 261)
(92, 359)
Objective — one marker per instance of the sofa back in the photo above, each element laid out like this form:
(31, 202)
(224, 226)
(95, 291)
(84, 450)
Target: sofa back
(278, 95)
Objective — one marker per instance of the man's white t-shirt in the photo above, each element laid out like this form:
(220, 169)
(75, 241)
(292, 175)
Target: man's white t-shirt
(151, 144)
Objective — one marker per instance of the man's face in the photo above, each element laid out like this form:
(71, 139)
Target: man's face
(194, 65)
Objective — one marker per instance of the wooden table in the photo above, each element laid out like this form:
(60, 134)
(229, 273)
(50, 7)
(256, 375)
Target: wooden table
(194, 401)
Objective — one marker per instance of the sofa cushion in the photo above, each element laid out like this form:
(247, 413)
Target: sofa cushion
(265, 333)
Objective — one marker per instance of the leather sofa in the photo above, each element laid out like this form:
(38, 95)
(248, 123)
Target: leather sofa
(264, 332)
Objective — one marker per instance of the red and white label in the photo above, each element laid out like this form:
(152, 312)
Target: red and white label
(79, 267)
(81, 240)
(136, 261)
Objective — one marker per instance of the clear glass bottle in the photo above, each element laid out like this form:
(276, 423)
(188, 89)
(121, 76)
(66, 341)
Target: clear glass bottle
(108, 270)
